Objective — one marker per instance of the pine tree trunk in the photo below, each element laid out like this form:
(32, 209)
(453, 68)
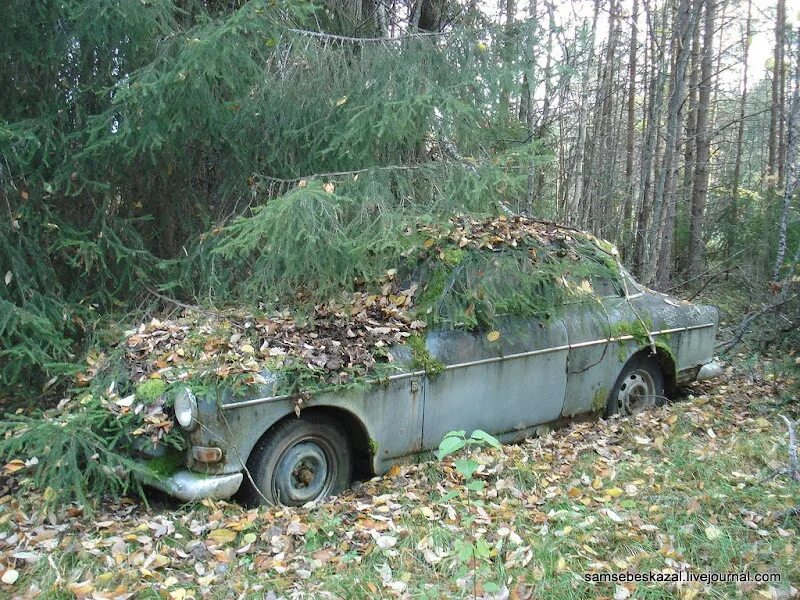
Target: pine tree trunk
(792, 166)
(577, 200)
(774, 119)
(782, 97)
(733, 216)
(655, 96)
(627, 211)
(701, 174)
(663, 215)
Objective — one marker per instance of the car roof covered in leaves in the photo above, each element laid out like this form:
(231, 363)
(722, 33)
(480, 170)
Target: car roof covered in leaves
(347, 338)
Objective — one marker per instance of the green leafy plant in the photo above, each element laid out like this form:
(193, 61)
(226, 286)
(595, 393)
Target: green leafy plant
(473, 552)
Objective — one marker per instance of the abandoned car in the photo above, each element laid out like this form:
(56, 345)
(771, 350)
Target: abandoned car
(620, 350)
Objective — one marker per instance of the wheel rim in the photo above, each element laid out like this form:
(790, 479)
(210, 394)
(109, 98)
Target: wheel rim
(636, 393)
(305, 472)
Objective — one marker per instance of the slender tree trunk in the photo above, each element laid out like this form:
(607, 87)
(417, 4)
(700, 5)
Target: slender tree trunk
(782, 97)
(774, 119)
(583, 115)
(657, 83)
(508, 48)
(690, 146)
(733, 217)
(792, 165)
(627, 211)
(536, 181)
(685, 22)
(700, 186)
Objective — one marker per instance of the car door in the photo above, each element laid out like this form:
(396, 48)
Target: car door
(595, 359)
(498, 384)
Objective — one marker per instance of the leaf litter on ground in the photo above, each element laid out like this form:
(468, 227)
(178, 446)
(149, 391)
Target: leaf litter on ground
(588, 498)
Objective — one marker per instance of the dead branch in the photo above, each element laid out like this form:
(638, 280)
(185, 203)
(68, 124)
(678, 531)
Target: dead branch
(794, 472)
(708, 281)
(725, 347)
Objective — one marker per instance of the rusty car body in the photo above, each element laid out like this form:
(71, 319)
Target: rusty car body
(620, 359)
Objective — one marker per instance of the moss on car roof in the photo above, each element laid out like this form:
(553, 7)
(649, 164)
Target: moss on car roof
(460, 274)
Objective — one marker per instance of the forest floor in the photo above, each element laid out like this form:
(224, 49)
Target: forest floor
(683, 488)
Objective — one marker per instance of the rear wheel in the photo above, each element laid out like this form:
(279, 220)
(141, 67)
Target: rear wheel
(640, 386)
(300, 461)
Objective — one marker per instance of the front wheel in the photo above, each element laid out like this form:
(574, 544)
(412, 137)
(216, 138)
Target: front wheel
(640, 386)
(300, 461)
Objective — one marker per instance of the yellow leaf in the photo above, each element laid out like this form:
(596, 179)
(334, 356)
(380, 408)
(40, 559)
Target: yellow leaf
(713, 532)
(597, 483)
(247, 349)
(614, 492)
(159, 560)
(561, 564)
(222, 536)
(82, 589)
(14, 466)
(493, 336)
(341, 101)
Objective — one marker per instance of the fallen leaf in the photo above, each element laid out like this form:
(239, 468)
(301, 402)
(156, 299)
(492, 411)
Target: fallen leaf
(222, 536)
(386, 541)
(82, 589)
(14, 466)
(10, 577)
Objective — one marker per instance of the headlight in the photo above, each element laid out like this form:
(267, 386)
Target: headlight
(186, 409)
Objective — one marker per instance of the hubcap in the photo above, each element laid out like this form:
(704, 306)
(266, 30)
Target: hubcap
(637, 393)
(303, 473)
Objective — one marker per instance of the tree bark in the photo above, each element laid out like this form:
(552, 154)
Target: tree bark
(576, 201)
(733, 216)
(700, 185)
(655, 96)
(627, 211)
(792, 166)
(774, 118)
(685, 22)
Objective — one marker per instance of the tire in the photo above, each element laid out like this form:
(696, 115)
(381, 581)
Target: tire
(299, 461)
(640, 386)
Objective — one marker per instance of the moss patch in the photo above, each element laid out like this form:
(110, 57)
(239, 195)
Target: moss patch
(150, 391)
(422, 358)
(164, 466)
(639, 330)
(599, 400)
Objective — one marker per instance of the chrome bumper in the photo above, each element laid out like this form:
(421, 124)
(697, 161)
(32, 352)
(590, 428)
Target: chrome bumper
(191, 487)
(710, 370)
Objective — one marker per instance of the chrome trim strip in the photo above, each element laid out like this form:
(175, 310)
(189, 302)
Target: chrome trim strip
(485, 361)
(494, 359)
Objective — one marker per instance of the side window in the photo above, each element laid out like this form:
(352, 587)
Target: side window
(605, 287)
(631, 284)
